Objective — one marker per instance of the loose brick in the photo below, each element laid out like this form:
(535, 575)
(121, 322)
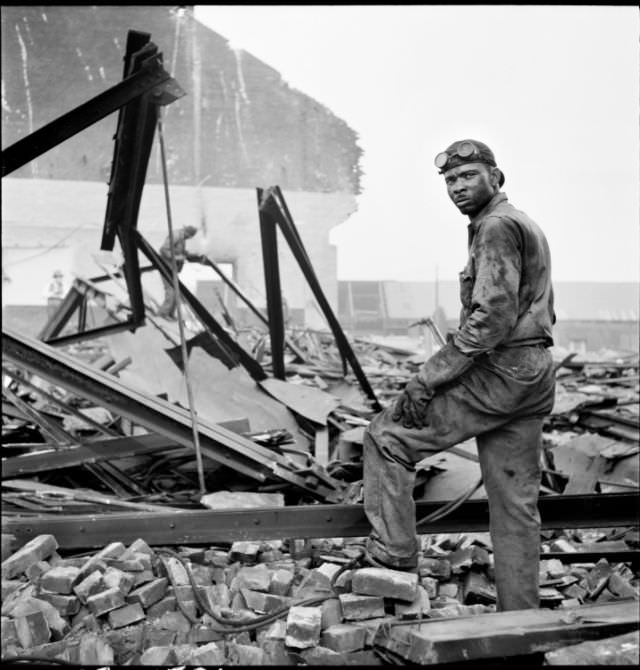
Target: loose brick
(35, 571)
(59, 580)
(344, 637)
(126, 643)
(263, 602)
(322, 656)
(153, 636)
(175, 571)
(38, 549)
(140, 578)
(449, 589)
(9, 633)
(386, 583)
(620, 587)
(439, 568)
(93, 650)
(90, 566)
(371, 626)
(149, 593)
(89, 586)
(193, 554)
(202, 574)
(216, 558)
(331, 612)
(256, 578)
(167, 604)
(112, 550)
(175, 621)
(114, 578)
(200, 633)
(105, 601)
(303, 627)
(430, 585)
(247, 552)
(32, 629)
(158, 656)
(207, 654)
(125, 616)
(277, 654)
(363, 657)
(416, 609)
(57, 625)
(356, 607)
(222, 594)
(461, 560)
(244, 654)
(478, 590)
(66, 605)
(138, 546)
(137, 563)
(9, 586)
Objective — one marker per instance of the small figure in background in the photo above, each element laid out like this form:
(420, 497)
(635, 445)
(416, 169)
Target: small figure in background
(168, 307)
(54, 293)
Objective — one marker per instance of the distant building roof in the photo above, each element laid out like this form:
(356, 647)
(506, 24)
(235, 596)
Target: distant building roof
(574, 301)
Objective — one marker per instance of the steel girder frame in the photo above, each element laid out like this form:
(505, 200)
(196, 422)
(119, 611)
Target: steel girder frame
(308, 521)
(145, 85)
(273, 211)
(231, 352)
(158, 416)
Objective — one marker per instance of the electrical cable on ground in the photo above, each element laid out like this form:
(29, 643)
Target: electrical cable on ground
(178, 299)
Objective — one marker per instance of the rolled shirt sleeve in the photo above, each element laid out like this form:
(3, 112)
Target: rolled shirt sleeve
(495, 266)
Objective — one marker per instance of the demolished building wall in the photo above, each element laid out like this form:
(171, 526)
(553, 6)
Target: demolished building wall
(239, 126)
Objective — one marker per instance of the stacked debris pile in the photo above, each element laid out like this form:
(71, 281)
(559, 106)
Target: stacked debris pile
(271, 602)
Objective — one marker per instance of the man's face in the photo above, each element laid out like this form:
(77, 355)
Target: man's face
(471, 186)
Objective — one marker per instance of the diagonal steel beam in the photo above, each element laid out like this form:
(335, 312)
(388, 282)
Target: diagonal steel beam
(151, 75)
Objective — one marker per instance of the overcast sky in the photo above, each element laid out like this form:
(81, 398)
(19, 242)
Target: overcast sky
(554, 91)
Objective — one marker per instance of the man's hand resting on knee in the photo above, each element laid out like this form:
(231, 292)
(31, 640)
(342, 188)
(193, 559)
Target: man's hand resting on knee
(412, 404)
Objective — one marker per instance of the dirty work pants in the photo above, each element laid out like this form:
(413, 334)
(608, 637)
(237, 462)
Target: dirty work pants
(501, 400)
(168, 307)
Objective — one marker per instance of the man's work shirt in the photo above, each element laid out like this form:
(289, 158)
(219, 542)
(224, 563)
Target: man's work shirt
(505, 288)
(179, 249)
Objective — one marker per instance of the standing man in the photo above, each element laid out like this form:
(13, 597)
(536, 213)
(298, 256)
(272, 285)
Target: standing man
(54, 293)
(493, 380)
(168, 307)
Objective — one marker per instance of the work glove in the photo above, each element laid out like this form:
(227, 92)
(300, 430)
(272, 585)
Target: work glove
(412, 404)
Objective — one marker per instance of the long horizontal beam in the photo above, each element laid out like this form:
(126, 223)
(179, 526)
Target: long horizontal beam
(57, 131)
(156, 415)
(207, 527)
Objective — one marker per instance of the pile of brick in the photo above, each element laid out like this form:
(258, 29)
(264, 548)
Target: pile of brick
(137, 604)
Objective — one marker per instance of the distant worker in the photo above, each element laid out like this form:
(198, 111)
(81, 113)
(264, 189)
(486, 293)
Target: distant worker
(168, 307)
(54, 293)
(493, 380)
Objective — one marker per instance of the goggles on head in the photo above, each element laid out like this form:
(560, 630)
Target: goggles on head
(464, 150)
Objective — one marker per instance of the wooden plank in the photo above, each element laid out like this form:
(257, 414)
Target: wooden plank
(84, 494)
(504, 634)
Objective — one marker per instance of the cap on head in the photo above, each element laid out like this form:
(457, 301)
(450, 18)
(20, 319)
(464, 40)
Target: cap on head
(190, 230)
(57, 273)
(466, 151)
